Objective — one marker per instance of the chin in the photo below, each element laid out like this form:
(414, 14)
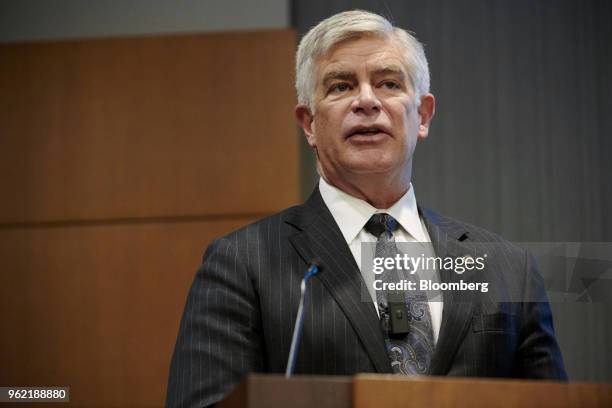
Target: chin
(372, 162)
(363, 168)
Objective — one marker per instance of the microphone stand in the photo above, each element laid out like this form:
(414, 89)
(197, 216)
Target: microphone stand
(312, 270)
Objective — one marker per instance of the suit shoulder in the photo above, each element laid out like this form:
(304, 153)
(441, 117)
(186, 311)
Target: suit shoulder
(254, 241)
(473, 233)
(264, 228)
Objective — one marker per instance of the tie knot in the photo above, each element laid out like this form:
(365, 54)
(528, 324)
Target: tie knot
(380, 223)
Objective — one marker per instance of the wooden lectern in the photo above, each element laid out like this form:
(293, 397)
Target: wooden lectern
(390, 391)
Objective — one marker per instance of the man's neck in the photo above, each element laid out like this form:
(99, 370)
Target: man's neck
(381, 193)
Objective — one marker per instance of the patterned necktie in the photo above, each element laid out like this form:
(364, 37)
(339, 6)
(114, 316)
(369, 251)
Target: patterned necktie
(411, 352)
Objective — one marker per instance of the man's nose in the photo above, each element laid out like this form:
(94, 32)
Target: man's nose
(366, 101)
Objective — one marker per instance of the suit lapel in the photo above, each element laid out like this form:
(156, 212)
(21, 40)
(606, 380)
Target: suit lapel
(320, 239)
(457, 309)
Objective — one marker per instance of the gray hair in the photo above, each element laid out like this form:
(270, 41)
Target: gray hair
(355, 24)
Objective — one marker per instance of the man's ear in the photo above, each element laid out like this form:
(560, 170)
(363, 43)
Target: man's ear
(427, 109)
(305, 119)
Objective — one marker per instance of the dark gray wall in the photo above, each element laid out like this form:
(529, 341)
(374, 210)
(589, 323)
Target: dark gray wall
(522, 139)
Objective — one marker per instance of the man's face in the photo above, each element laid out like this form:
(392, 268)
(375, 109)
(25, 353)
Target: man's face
(364, 120)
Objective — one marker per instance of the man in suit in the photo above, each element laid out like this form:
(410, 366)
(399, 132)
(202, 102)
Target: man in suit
(363, 102)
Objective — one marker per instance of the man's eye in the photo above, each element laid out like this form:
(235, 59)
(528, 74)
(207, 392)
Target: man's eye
(339, 87)
(391, 85)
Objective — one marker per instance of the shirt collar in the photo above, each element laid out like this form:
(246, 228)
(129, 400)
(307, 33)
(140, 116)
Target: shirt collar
(351, 213)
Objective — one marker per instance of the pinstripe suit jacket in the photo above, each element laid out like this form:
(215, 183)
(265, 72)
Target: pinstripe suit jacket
(241, 309)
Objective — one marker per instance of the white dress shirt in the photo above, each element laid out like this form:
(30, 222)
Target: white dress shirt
(351, 215)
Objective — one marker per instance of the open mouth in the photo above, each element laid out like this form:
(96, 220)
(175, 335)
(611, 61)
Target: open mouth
(366, 131)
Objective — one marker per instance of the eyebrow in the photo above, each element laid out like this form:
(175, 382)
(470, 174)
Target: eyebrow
(349, 75)
(344, 75)
(390, 70)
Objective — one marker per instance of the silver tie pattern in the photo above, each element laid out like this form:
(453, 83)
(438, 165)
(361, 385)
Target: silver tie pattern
(409, 353)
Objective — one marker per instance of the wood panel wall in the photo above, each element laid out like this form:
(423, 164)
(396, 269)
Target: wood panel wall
(120, 159)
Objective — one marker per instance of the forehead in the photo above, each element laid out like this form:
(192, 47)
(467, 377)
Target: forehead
(370, 53)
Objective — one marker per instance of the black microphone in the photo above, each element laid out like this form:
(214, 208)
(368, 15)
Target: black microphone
(313, 269)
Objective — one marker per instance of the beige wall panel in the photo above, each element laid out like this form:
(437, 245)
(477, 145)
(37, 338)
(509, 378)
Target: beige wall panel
(97, 308)
(147, 127)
